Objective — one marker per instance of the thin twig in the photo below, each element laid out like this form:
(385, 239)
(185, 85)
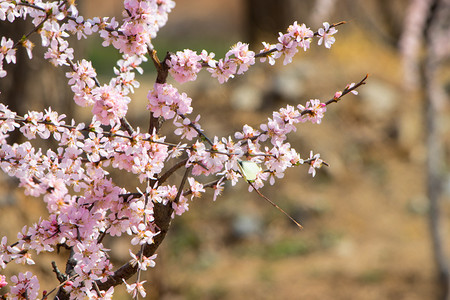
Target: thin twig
(348, 90)
(200, 133)
(274, 205)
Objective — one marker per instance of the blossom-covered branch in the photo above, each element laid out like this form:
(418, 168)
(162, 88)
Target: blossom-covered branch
(75, 179)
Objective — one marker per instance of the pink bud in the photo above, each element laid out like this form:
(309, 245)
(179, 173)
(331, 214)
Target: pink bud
(337, 95)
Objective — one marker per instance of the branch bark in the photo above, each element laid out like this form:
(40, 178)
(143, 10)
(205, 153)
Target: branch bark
(162, 215)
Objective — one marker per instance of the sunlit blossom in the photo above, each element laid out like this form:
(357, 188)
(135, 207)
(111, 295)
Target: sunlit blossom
(326, 35)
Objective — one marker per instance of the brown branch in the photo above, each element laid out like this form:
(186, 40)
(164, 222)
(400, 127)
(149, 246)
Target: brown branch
(163, 71)
(199, 132)
(169, 172)
(336, 99)
(163, 217)
(125, 124)
(348, 90)
(37, 27)
(70, 272)
(161, 67)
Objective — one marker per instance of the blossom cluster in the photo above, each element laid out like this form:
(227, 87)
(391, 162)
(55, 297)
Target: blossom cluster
(220, 157)
(142, 20)
(165, 101)
(7, 53)
(75, 178)
(26, 285)
(132, 36)
(185, 65)
(109, 102)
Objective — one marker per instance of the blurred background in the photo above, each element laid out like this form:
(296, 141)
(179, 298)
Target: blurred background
(366, 217)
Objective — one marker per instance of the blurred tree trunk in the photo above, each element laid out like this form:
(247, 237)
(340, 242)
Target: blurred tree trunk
(265, 18)
(425, 47)
(381, 17)
(436, 31)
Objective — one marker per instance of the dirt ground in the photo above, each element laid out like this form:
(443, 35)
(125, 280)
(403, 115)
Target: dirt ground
(365, 224)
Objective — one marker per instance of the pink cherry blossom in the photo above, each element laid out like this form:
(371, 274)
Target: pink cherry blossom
(142, 262)
(184, 65)
(337, 95)
(165, 101)
(315, 163)
(196, 188)
(247, 133)
(33, 126)
(185, 128)
(313, 111)
(109, 104)
(223, 70)
(208, 58)
(7, 121)
(326, 35)
(271, 56)
(242, 56)
(28, 45)
(83, 75)
(7, 11)
(3, 281)
(301, 34)
(142, 234)
(79, 27)
(273, 130)
(287, 46)
(135, 288)
(92, 294)
(6, 51)
(24, 286)
(181, 206)
(59, 52)
(350, 86)
(218, 189)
